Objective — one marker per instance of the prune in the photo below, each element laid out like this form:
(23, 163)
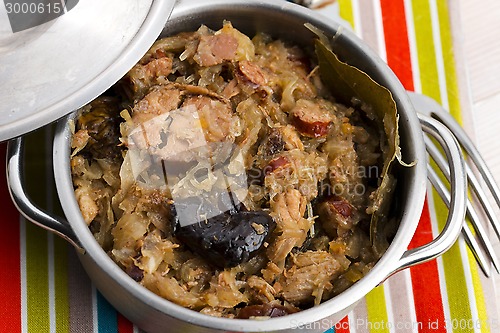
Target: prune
(227, 239)
(266, 310)
(135, 273)
(103, 125)
(273, 145)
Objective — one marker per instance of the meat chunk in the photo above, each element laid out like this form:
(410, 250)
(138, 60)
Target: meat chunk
(288, 210)
(275, 164)
(250, 72)
(158, 101)
(262, 288)
(87, 205)
(227, 44)
(336, 215)
(311, 119)
(176, 136)
(144, 76)
(310, 278)
(214, 50)
(216, 118)
(295, 169)
(291, 138)
(280, 139)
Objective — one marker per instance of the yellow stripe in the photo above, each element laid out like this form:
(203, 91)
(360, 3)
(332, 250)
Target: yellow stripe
(425, 49)
(346, 12)
(378, 320)
(479, 294)
(456, 284)
(449, 60)
(455, 110)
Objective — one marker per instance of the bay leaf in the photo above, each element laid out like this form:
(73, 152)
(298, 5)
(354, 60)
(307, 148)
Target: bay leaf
(349, 85)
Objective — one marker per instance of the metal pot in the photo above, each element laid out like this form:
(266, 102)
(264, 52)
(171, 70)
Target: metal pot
(282, 20)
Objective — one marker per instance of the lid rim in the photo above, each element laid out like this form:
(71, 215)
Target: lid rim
(149, 30)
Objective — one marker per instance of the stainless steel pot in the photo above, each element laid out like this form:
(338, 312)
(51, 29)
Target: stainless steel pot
(283, 20)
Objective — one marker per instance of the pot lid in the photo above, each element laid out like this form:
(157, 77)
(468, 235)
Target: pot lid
(55, 58)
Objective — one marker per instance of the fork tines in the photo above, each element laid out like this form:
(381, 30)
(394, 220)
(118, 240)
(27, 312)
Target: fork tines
(482, 203)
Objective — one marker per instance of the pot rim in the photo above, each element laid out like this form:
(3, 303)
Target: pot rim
(382, 269)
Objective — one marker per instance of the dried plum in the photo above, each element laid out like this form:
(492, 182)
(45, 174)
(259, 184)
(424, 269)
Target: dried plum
(103, 125)
(227, 239)
(266, 310)
(273, 145)
(135, 273)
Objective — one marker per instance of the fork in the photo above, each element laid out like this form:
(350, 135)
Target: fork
(480, 205)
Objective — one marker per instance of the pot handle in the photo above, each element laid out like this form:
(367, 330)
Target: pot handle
(457, 209)
(17, 189)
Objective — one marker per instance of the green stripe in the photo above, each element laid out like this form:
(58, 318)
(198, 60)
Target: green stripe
(378, 320)
(61, 285)
(37, 278)
(458, 302)
(346, 12)
(61, 289)
(37, 290)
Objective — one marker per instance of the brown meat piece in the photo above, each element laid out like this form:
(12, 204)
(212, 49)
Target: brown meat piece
(174, 125)
(214, 50)
(158, 101)
(311, 119)
(288, 210)
(249, 72)
(275, 164)
(309, 279)
(144, 76)
(335, 214)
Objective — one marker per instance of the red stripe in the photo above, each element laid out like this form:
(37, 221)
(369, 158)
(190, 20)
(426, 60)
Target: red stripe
(10, 247)
(343, 326)
(396, 40)
(124, 325)
(425, 277)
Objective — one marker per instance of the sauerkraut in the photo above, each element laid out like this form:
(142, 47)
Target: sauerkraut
(221, 174)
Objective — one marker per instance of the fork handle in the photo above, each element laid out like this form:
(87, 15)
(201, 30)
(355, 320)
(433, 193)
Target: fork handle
(445, 240)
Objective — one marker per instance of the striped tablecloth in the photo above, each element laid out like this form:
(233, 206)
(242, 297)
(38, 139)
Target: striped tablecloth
(43, 288)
